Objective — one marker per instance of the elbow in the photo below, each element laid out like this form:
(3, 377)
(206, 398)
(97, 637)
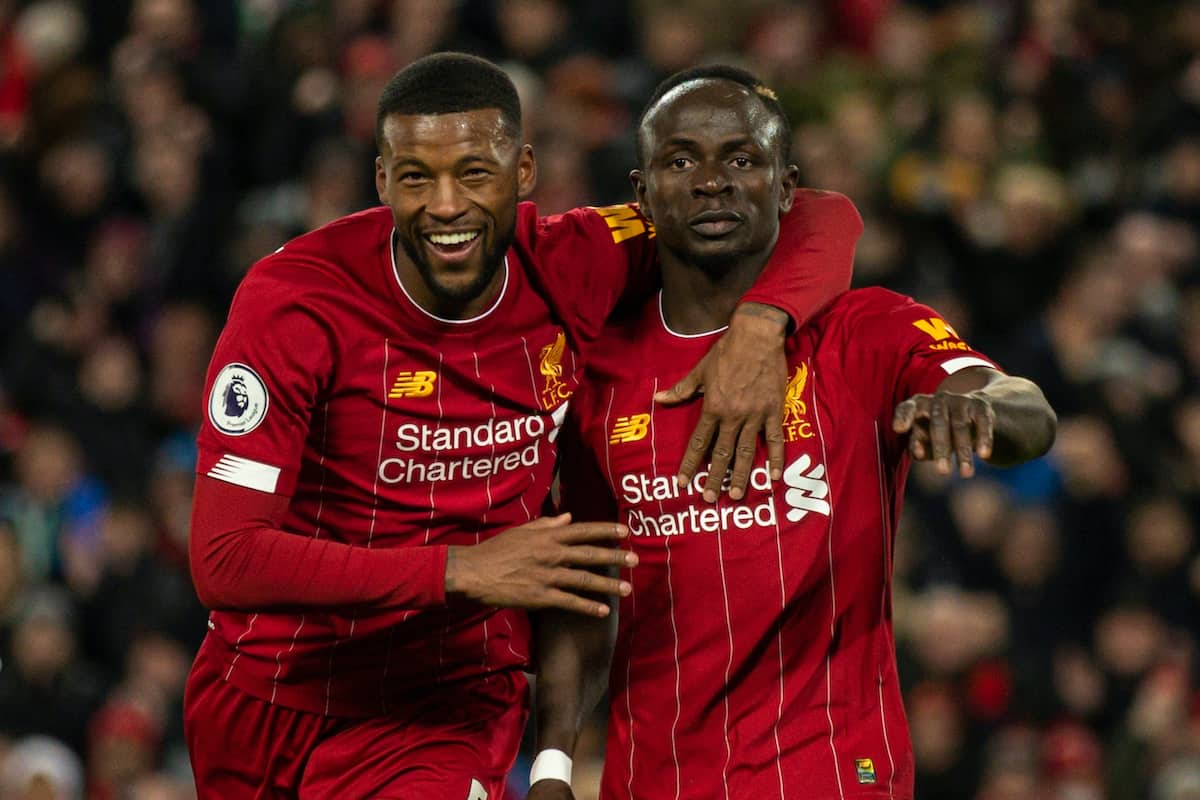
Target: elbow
(1047, 432)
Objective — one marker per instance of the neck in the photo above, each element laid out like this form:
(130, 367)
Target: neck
(438, 305)
(696, 300)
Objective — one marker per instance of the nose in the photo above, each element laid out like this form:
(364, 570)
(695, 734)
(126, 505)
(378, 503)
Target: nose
(446, 201)
(711, 180)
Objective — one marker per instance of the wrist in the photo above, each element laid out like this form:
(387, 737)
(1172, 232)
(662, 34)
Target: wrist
(454, 572)
(761, 318)
(551, 765)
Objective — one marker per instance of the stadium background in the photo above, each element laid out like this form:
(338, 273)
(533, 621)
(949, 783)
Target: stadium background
(1032, 169)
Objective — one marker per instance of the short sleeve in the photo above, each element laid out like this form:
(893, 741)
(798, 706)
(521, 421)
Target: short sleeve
(271, 363)
(813, 259)
(587, 259)
(901, 348)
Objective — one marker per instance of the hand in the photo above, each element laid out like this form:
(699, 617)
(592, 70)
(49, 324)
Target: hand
(743, 379)
(532, 566)
(944, 424)
(550, 790)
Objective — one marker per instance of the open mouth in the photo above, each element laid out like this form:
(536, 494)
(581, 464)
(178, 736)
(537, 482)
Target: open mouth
(452, 245)
(716, 223)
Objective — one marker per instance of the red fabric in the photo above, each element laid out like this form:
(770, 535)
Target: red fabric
(365, 436)
(759, 632)
(243, 748)
(241, 559)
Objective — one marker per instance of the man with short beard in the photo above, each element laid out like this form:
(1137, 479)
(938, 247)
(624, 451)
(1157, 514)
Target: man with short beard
(366, 524)
(754, 655)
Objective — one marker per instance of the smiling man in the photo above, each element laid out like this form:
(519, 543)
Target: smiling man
(754, 655)
(366, 523)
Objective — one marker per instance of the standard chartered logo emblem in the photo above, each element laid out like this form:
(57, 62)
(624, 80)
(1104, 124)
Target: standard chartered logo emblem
(807, 489)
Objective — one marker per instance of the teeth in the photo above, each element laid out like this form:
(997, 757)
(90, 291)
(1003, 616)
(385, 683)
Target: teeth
(452, 238)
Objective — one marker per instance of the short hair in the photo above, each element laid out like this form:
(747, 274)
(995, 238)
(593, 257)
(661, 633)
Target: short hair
(719, 72)
(449, 83)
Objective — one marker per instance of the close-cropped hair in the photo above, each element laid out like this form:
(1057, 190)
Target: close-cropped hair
(449, 83)
(719, 72)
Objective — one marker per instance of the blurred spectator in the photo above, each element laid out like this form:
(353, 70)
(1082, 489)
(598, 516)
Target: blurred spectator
(1031, 168)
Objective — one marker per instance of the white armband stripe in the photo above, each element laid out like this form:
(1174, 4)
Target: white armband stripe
(244, 472)
(955, 364)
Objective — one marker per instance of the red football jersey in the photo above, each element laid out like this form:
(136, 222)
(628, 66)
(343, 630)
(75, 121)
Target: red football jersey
(755, 656)
(388, 428)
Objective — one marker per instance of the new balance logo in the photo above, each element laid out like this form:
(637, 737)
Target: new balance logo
(629, 429)
(807, 489)
(413, 384)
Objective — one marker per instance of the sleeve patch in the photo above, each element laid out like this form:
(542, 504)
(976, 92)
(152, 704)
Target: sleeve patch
(244, 472)
(238, 402)
(955, 364)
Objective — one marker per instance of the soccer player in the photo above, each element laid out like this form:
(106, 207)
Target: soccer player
(754, 657)
(383, 409)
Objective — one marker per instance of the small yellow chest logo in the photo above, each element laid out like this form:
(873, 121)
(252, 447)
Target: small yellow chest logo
(555, 390)
(795, 426)
(629, 429)
(412, 384)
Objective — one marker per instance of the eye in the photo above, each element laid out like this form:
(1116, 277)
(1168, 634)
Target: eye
(742, 162)
(411, 178)
(476, 173)
(679, 162)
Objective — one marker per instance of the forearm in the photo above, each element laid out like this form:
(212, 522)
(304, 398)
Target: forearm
(241, 559)
(574, 654)
(813, 258)
(1025, 424)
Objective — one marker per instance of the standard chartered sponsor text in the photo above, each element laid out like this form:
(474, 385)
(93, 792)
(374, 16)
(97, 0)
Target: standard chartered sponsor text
(638, 489)
(502, 436)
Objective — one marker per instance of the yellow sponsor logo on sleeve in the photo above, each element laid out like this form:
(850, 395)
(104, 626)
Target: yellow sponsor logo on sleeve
(624, 222)
(937, 329)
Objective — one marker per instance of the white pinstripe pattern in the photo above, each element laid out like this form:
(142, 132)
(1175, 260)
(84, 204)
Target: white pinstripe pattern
(316, 535)
(279, 663)
(537, 403)
(383, 409)
(487, 488)
(429, 524)
(779, 646)
(886, 529)
(612, 482)
(671, 606)
(812, 378)
(238, 643)
(728, 661)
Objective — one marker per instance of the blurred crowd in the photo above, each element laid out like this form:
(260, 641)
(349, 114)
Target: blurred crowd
(1031, 169)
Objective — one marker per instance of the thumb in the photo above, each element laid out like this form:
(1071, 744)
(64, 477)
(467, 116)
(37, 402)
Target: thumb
(686, 389)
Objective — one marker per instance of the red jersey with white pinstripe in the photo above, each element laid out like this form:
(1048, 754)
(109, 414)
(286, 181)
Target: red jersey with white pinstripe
(388, 427)
(755, 656)
(385, 427)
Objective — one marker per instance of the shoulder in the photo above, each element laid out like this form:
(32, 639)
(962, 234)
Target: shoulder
(860, 305)
(829, 208)
(324, 260)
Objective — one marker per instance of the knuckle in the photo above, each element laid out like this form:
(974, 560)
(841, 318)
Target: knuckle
(721, 452)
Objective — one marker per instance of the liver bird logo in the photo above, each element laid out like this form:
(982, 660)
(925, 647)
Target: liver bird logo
(793, 403)
(551, 367)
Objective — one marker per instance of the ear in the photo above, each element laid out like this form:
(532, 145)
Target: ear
(526, 171)
(787, 188)
(381, 180)
(639, 192)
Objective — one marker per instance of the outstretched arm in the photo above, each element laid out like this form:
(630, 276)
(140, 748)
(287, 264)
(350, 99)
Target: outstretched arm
(977, 411)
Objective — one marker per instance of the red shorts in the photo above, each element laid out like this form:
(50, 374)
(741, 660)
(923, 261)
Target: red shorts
(456, 743)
